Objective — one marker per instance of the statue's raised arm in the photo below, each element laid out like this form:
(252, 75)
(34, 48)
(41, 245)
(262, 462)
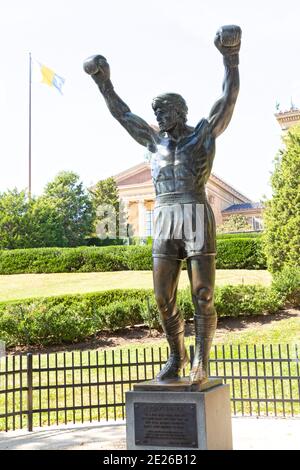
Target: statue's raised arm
(98, 67)
(228, 42)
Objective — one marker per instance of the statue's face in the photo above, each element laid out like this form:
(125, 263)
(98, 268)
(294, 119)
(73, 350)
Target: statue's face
(166, 116)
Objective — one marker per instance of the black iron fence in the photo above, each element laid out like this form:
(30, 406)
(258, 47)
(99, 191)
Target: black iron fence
(56, 388)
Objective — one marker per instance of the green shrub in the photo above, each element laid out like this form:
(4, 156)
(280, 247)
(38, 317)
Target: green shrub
(60, 260)
(96, 241)
(73, 318)
(139, 258)
(233, 301)
(287, 285)
(240, 253)
(141, 241)
(225, 236)
(118, 315)
(150, 314)
(104, 259)
(38, 323)
(232, 253)
(185, 304)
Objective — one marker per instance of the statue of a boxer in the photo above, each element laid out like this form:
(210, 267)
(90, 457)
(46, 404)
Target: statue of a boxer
(181, 165)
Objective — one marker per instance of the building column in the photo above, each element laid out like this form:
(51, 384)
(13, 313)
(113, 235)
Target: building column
(141, 212)
(124, 207)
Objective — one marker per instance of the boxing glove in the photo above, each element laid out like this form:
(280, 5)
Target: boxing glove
(228, 39)
(97, 65)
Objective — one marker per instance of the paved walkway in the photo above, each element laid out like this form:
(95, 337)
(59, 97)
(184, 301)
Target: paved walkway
(248, 433)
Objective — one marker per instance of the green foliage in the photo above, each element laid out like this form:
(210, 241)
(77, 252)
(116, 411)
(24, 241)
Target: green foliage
(287, 284)
(231, 254)
(106, 192)
(220, 236)
(119, 314)
(96, 241)
(282, 213)
(141, 241)
(62, 216)
(14, 220)
(63, 260)
(185, 304)
(232, 301)
(246, 300)
(139, 258)
(234, 223)
(69, 318)
(240, 253)
(225, 236)
(111, 220)
(74, 214)
(44, 225)
(150, 314)
(72, 318)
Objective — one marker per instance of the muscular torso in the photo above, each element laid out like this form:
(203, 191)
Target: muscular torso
(184, 166)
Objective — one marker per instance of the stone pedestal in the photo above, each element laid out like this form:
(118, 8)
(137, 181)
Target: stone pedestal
(181, 420)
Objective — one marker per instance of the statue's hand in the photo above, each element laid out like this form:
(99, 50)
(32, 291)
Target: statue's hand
(98, 67)
(228, 39)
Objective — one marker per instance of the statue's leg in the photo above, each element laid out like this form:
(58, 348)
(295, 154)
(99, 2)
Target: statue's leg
(201, 272)
(166, 272)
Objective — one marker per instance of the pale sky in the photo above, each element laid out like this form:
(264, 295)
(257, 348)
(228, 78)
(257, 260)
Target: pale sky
(152, 47)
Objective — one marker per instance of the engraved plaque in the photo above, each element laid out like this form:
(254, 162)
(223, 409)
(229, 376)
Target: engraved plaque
(165, 425)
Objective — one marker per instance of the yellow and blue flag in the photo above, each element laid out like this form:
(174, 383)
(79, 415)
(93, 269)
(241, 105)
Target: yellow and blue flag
(44, 74)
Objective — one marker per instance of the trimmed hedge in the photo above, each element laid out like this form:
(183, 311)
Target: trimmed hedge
(240, 253)
(96, 241)
(223, 236)
(235, 253)
(73, 318)
(69, 318)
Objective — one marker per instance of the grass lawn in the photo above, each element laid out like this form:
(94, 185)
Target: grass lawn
(20, 286)
(103, 366)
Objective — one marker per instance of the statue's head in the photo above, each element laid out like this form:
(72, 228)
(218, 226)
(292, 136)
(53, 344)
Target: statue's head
(170, 109)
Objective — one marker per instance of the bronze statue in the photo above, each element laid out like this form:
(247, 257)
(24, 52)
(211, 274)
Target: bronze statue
(181, 165)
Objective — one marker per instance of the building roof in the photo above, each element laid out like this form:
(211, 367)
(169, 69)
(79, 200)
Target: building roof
(288, 118)
(225, 184)
(243, 207)
(131, 171)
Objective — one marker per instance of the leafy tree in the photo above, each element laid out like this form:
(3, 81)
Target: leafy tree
(234, 223)
(14, 220)
(46, 229)
(111, 220)
(282, 213)
(26, 223)
(106, 192)
(62, 216)
(70, 208)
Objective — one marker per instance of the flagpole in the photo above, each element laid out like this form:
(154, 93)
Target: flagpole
(29, 142)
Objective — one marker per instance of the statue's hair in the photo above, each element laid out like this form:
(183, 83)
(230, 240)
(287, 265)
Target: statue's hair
(174, 99)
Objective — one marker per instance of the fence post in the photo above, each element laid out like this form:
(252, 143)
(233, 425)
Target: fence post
(29, 392)
(192, 353)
